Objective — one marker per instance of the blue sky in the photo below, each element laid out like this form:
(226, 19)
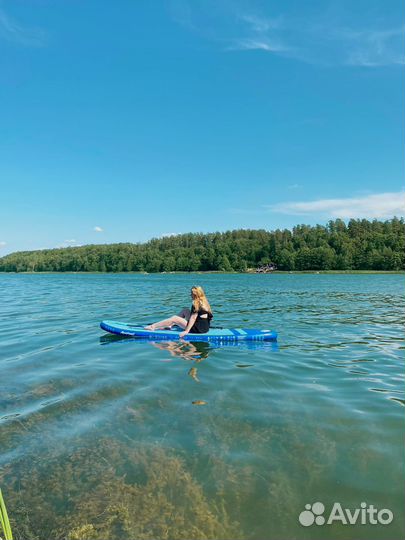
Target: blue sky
(123, 121)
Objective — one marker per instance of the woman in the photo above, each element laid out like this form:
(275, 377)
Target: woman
(194, 321)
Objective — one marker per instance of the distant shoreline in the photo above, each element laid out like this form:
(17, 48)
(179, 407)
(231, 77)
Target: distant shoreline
(358, 247)
(223, 272)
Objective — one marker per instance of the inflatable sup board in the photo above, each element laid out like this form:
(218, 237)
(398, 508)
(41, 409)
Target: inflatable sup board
(214, 334)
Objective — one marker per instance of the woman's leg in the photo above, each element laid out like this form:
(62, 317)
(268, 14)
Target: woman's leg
(175, 319)
(185, 313)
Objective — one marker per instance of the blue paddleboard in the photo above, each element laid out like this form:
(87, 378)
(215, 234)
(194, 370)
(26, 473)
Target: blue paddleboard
(214, 334)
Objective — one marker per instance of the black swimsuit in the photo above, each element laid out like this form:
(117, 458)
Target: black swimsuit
(202, 324)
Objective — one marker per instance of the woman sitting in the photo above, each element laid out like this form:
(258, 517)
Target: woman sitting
(194, 321)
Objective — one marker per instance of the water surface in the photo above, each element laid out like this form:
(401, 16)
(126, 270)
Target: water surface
(100, 437)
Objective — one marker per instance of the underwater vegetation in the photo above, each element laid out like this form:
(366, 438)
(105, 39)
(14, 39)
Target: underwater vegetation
(233, 479)
(124, 487)
(113, 491)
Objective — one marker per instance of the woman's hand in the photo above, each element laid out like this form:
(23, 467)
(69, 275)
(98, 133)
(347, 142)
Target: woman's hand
(182, 334)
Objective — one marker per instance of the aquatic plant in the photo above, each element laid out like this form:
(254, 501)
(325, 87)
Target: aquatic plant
(4, 521)
(113, 490)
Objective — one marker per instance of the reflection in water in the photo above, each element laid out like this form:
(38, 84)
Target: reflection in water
(195, 351)
(202, 348)
(193, 374)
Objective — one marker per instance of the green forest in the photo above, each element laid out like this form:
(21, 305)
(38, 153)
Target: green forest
(357, 245)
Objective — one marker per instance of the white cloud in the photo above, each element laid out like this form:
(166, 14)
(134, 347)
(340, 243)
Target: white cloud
(2, 244)
(170, 234)
(379, 205)
(98, 229)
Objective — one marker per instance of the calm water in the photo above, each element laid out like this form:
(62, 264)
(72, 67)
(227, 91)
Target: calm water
(100, 439)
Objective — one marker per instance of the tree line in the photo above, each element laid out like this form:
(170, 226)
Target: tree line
(357, 245)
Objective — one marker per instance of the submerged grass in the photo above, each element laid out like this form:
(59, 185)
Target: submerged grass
(113, 491)
(120, 488)
(234, 480)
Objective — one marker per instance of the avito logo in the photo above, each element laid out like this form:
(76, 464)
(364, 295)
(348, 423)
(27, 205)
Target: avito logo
(366, 514)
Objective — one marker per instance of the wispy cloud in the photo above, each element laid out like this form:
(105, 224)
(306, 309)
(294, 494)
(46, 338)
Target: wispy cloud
(2, 244)
(260, 33)
(12, 31)
(98, 229)
(264, 44)
(373, 48)
(262, 24)
(331, 36)
(379, 205)
(325, 42)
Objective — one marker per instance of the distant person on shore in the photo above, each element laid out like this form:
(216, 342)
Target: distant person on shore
(194, 321)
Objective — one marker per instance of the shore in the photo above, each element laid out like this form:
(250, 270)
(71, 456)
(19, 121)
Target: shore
(252, 272)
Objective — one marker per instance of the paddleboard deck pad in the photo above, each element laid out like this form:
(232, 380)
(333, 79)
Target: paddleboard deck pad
(214, 334)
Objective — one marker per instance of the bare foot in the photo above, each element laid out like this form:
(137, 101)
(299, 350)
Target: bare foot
(150, 327)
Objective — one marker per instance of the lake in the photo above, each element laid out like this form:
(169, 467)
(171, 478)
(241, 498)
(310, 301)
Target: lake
(100, 438)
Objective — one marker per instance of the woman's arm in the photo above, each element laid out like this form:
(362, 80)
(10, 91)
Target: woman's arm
(190, 324)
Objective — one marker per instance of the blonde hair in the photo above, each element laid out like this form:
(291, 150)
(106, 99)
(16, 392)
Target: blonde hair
(200, 300)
